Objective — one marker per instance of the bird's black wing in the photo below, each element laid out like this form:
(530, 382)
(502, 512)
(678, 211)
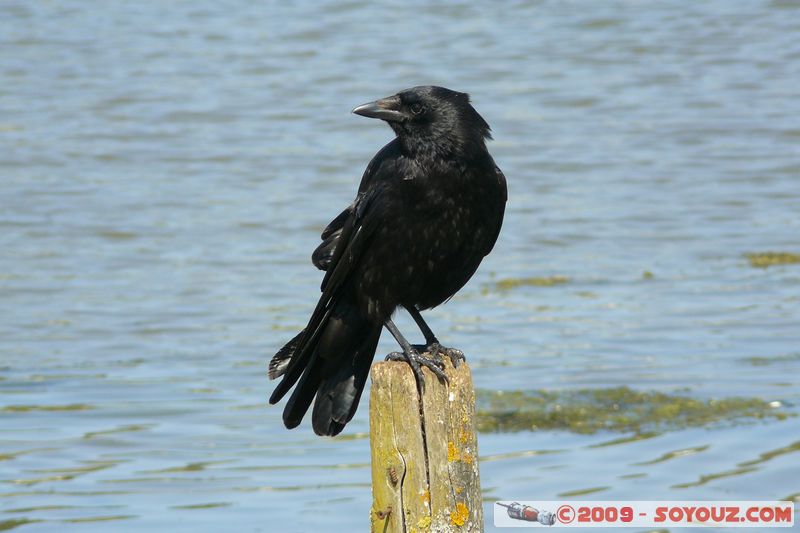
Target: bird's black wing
(358, 224)
(323, 254)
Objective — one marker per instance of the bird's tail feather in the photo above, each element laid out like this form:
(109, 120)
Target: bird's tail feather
(338, 395)
(336, 371)
(280, 361)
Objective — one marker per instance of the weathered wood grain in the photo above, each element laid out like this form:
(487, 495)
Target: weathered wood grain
(424, 452)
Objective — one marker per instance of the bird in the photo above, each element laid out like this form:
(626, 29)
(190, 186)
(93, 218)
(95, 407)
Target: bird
(428, 209)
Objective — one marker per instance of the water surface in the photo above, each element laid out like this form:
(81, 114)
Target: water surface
(166, 170)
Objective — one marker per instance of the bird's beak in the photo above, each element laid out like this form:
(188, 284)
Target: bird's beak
(385, 109)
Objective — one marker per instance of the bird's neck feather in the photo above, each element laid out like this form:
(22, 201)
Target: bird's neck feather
(446, 145)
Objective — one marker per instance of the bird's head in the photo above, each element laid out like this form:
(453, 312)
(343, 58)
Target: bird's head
(431, 118)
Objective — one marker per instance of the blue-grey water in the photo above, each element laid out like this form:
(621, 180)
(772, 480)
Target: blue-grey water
(166, 168)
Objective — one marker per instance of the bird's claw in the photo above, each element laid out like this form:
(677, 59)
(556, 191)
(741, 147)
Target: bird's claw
(436, 351)
(455, 355)
(416, 361)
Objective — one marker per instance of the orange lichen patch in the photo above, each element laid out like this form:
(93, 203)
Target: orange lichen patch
(452, 452)
(464, 435)
(460, 515)
(459, 490)
(425, 497)
(467, 458)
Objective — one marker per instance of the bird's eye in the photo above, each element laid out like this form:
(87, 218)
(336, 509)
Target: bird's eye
(417, 109)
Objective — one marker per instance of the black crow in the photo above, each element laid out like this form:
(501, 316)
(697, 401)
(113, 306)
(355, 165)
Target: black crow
(428, 209)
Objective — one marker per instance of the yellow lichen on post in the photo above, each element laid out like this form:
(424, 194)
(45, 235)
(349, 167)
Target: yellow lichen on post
(449, 412)
(430, 444)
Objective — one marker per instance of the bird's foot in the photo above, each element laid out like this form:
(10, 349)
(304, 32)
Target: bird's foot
(416, 361)
(436, 351)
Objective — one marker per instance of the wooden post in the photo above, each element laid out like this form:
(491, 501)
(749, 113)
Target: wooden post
(424, 452)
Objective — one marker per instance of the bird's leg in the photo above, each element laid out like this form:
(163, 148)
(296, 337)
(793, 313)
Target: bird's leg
(413, 357)
(432, 345)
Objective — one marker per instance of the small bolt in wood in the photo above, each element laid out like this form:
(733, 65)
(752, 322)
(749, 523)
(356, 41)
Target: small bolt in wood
(385, 513)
